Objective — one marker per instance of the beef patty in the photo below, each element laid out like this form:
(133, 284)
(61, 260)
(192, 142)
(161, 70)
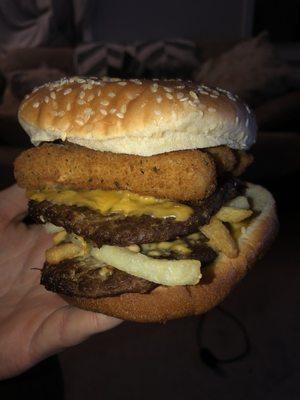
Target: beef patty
(119, 230)
(81, 277)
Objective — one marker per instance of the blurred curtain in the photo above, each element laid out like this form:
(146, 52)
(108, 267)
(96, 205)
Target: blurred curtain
(32, 23)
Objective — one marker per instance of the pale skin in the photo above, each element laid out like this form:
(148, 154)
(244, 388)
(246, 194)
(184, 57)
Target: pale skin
(34, 323)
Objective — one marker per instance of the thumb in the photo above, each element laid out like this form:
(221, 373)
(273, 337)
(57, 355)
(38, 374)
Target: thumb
(66, 327)
(81, 324)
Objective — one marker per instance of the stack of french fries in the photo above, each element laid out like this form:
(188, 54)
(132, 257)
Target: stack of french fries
(219, 236)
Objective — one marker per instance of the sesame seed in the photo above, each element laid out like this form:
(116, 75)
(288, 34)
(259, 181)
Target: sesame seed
(157, 112)
(67, 91)
(122, 83)
(81, 102)
(112, 110)
(36, 104)
(79, 122)
(90, 97)
(88, 111)
(120, 115)
(248, 109)
(104, 102)
(183, 99)
(236, 120)
(53, 95)
(180, 87)
(136, 81)
(104, 112)
(87, 85)
(68, 108)
(169, 96)
(54, 105)
(193, 95)
(82, 94)
(168, 89)
(192, 103)
(109, 79)
(179, 95)
(159, 99)
(58, 113)
(132, 96)
(211, 109)
(123, 108)
(99, 92)
(27, 96)
(111, 94)
(230, 96)
(203, 92)
(46, 99)
(154, 88)
(247, 122)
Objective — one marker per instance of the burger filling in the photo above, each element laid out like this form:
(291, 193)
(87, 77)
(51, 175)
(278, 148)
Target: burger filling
(109, 243)
(127, 223)
(122, 230)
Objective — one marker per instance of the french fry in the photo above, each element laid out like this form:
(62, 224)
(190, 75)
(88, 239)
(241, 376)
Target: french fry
(56, 254)
(239, 202)
(59, 237)
(233, 214)
(164, 272)
(220, 238)
(237, 229)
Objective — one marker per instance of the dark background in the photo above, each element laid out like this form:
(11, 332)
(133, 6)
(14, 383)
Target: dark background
(253, 337)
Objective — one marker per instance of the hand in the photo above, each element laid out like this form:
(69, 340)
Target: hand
(34, 323)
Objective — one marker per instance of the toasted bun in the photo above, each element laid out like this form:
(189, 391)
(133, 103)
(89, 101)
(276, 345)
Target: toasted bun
(165, 303)
(136, 117)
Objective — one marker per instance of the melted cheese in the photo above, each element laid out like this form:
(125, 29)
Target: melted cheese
(116, 201)
(158, 249)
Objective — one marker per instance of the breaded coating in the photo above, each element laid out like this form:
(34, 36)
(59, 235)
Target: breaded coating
(180, 175)
(243, 161)
(224, 157)
(229, 160)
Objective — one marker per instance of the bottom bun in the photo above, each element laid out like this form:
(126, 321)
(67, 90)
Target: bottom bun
(165, 303)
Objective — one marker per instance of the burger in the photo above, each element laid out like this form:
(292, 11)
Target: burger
(139, 183)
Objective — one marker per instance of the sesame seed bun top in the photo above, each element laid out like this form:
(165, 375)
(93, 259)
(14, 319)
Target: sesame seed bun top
(142, 117)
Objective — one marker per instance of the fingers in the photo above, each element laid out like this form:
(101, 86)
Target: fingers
(81, 324)
(67, 326)
(13, 203)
